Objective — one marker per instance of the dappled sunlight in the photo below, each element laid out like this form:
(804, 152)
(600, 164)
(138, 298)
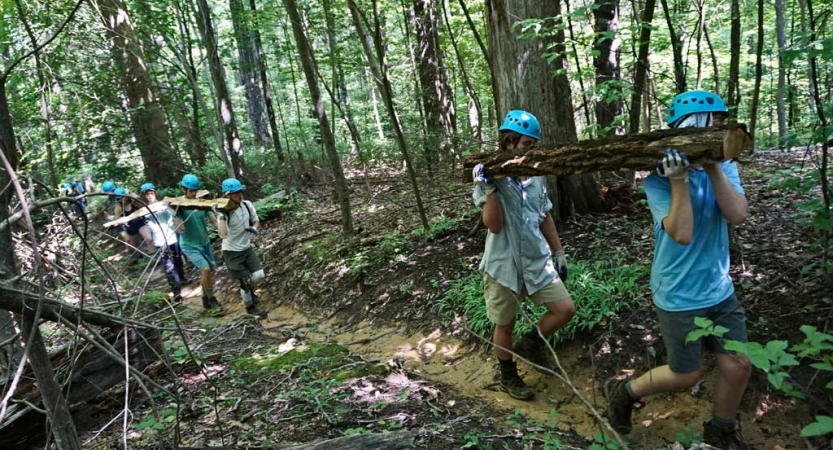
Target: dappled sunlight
(197, 378)
(769, 403)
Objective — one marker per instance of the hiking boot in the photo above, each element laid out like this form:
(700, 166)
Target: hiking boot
(255, 299)
(620, 406)
(177, 298)
(723, 438)
(255, 311)
(536, 353)
(512, 384)
(212, 305)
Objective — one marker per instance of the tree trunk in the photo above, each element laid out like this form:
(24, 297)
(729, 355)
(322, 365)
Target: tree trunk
(476, 119)
(701, 26)
(782, 73)
(639, 77)
(247, 68)
(715, 66)
(308, 65)
(11, 352)
(733, 86)
(759, 71)
(378, 67)
(606, 46)
(802, 5)
(521, 63)
(677, 48)
(232, 145)
(9, 148)
(440, 117)
(146, 115)
(339, 83)
(264, 84)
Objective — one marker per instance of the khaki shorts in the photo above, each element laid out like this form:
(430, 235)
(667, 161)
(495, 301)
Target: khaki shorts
(502, 304)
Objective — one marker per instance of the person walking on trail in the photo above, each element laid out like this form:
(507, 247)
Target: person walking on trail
(196, 246)
(518, 259)
(132, 230)
(163, 229)
(692, 207)
(236, 227)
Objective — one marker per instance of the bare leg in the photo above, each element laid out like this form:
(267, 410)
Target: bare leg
(663, 379)
(148, 237)
(503, 338)
(206, 280)
(733, 372)
(557, 315)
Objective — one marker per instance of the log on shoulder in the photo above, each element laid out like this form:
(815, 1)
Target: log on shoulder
(173, 203)
(633, 152)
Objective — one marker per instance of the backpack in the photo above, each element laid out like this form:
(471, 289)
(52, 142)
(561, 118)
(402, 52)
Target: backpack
(248, 210)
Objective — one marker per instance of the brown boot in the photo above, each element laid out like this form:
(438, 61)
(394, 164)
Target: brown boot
(512, 384)
(723, 438)
(620, 405)
(535, 352)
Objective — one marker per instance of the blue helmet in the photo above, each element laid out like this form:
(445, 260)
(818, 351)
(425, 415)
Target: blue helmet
(74, 184)
(147, 187)
(523, 123)
(694, 102)
(120, 193)
(231, 185)
(190, 181)
(108, 187)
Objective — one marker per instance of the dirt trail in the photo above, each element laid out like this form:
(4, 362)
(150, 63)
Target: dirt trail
(446, 359)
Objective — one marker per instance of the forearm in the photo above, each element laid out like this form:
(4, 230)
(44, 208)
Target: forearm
(493, 214)
(222, 228)
(679, 223)
(550, 233)
(732, 204)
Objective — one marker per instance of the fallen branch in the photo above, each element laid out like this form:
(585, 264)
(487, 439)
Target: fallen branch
(633, 152)
(382, 441)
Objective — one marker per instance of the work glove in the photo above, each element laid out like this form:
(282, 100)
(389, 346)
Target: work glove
(478, 174)
(674, 165)
(252, 230)
(561, 265)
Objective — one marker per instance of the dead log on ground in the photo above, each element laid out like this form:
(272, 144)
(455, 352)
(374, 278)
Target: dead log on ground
(633, 152)
(394, 440)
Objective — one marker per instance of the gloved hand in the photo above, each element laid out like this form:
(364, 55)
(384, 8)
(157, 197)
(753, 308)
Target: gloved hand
(478, 174)
(252, 230)
(674, 165)
(561, 265)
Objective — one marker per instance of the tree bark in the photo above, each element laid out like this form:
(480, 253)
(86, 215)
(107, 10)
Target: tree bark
(759, 71)
(264, 85)
(308, 65)
(606, 45)
(639, 85)
(631, 152)
(677, 48)
(378, 67)
(247, 68)
(232, 145)
(782, 73)
(476, 120)
(146, 115)
(733, 86)
(522, 79)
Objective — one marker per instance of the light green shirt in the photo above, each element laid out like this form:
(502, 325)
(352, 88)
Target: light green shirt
(196, 234)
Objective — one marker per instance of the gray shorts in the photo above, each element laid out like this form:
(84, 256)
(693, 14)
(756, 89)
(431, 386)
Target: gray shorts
(241, 264)
(675, 326)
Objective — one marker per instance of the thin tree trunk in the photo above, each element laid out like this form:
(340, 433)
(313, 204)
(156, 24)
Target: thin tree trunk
(715, 67)
(406, 18)
(701, 26)
(641, 66)
(378, 68)
(477, 37)
(146, 115)
(782, 73)
(308, 65)
(247, 67)
(759, 72)
(477, 121)
(225, 110)
(606, 46)
(811, 82)
(733, 86)
(578, 73)
(677, 48)
(298, 114)
(264, 84)
(376, 116)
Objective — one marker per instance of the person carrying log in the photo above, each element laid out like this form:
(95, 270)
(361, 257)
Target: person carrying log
(131, 231)
(236, 227)
(196, 246)
(692, 207)
(165, 241)
(518, 258)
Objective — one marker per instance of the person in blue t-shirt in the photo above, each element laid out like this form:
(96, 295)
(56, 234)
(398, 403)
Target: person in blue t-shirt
(518, 259)
(692, 208)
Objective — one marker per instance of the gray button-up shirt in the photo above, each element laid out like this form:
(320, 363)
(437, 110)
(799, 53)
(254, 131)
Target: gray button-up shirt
(519, 256)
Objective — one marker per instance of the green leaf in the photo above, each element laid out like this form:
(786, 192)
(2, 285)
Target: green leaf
(776, 346)
(822, 366)
(696, 335)
(735, 346)
(823, 425)
(719, 331)
(829, 385)
(703, 322)
(758, 356)
(777, 379)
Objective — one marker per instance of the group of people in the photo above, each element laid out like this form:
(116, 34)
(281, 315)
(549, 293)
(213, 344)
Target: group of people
(692, 207)
(172, 232)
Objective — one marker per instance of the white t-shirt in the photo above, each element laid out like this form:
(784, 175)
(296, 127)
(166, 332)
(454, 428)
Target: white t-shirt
(164, 231)
(237, 221)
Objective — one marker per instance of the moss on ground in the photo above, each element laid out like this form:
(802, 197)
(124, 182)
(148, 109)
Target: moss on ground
(314, 359)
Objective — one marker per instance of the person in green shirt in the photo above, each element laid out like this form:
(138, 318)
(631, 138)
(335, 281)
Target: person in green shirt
(193, 238)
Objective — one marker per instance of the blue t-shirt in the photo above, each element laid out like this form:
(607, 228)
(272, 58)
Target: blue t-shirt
(694, 276)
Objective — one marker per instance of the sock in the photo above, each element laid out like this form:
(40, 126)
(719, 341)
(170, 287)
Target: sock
(506, 364)
(717, 422)
(533, 334)
(208, 292)
(629, 390)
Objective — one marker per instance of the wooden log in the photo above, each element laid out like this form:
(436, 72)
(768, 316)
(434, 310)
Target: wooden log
(633, 152)
(394, 440)
(171, 202)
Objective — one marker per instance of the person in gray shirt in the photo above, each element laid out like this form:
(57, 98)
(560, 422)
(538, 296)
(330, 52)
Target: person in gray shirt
(518, 259)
